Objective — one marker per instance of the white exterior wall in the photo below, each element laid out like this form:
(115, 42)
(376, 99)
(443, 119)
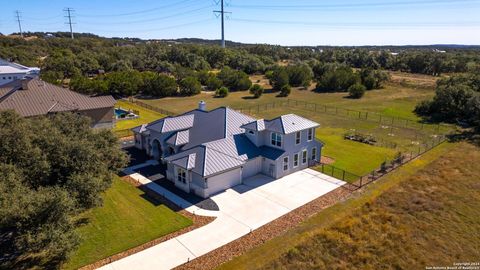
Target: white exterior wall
(9, 77)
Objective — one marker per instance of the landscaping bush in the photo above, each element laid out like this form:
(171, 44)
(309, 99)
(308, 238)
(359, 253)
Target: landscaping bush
(256, 90)
(222, 92)
(285, 91)
(357, 90)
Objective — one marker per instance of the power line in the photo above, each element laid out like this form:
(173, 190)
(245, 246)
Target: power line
(158, 18)
(222, 15)
(361, 24)
(136, 12)
(69, 12)
(17, 17)
(354, 5)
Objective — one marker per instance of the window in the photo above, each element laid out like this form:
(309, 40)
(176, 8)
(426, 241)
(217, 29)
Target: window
(304, 156)
(251, 132)
(295, 160)
(314, 153)
(277, 139)
(297, 137)
(285, 163)
(310, 134)
(182, 175)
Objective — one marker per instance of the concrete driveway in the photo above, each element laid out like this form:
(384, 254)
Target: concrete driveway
(244, 208)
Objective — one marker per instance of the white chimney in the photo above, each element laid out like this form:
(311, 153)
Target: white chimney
(202, 106)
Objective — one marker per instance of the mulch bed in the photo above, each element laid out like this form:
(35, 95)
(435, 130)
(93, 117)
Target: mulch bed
(266, 232)
(198, 221)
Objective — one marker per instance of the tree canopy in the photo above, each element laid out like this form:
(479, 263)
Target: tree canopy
(51, 169)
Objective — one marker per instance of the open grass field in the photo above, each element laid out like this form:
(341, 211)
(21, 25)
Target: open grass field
(395, 100)
(125, 220)
(146, 116)
(427, 213)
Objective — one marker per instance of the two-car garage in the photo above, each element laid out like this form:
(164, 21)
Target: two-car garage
(231, 178)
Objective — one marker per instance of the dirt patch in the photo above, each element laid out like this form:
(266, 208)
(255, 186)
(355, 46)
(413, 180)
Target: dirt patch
(198, 221)
(267, 232)
(327, 160)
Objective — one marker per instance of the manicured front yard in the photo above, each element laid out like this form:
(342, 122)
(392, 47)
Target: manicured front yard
(125, 220)
(146, 116)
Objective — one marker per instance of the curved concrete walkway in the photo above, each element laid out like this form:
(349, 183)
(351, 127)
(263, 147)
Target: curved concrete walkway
(244, 208)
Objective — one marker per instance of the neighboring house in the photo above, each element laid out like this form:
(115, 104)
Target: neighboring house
(10, 72)
(207, 152)
(32, 97)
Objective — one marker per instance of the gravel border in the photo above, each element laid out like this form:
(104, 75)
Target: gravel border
(198, 221)
(273, 229)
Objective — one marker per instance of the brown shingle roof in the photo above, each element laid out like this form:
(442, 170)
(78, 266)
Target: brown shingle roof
(41, 98)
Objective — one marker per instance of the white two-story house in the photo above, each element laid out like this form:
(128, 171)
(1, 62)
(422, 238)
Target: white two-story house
(207, 152)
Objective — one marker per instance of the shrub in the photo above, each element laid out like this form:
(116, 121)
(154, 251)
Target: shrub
(190, 86)
(213, 83)
(357, 90)
(222, 92)
(256, 90)
(285, 91)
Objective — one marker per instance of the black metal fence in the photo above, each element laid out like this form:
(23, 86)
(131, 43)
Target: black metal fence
(152, 108)
(381, 119)
(355, 181)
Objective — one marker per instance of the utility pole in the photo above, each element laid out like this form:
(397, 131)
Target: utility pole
(69, 12)
(222, 15)
(17, 17)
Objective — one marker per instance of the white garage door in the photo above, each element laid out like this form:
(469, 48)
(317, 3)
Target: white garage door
(252, 167)
(224, 181)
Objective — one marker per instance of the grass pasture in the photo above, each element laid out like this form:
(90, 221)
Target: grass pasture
(425, 214)
(428, 220)
(125, 220)
(394, 101)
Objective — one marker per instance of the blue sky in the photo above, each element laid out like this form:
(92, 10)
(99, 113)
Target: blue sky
(285, 22)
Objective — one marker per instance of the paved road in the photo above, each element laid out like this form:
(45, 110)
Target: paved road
(243, 208)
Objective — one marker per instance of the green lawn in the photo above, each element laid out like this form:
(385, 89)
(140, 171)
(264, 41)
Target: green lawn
(357, 158)
(146, 116)
(394, 100)
(125, 220)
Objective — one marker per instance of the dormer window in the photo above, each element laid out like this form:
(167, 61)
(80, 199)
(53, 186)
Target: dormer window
(310, 134)
(298, 135)
(276, 139)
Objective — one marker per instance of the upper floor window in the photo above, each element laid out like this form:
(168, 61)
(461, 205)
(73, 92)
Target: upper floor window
(310, 134)
(277, 139)
(298, 135)
(304, 156)
(182, 175)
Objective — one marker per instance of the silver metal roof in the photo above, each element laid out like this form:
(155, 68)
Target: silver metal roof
(290, 123)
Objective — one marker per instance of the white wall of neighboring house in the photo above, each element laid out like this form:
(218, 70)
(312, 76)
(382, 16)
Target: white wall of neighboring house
(13, 71)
